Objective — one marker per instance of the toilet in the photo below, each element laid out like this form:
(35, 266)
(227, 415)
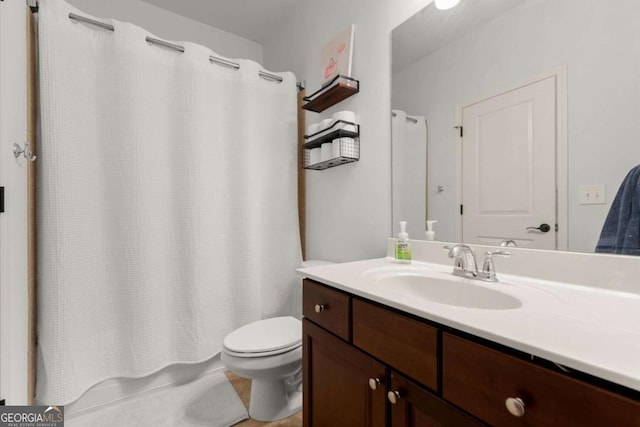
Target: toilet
(269, 352)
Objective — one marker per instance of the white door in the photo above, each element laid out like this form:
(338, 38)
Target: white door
(13, 222)
(509, 168)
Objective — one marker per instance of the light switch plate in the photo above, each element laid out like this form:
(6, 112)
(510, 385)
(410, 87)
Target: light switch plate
(593, 194)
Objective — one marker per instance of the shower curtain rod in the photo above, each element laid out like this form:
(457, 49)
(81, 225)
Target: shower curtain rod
(411, 119)
(173, 46)
(91, 22)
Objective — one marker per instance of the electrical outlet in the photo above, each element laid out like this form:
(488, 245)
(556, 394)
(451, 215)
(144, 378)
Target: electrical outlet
(593, 194)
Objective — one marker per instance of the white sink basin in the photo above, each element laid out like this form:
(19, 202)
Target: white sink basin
(442, 288)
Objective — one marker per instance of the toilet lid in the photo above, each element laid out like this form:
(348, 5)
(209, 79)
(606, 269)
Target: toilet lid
(266, 335)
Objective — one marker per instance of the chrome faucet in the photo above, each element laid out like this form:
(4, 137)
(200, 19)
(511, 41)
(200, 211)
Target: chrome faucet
(465, 265)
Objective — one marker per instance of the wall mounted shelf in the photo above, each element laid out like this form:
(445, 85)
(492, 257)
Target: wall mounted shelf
(346, 137)
(338, 89)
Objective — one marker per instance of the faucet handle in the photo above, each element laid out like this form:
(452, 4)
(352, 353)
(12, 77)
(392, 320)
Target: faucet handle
(489, 268)
(500, 252)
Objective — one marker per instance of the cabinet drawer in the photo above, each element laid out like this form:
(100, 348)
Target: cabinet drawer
(480, 379)
(326, 307)
(406, 344)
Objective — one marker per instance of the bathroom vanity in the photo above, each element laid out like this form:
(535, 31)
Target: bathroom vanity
(380, 352)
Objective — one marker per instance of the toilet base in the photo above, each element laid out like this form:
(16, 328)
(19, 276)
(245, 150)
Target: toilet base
(270, 400)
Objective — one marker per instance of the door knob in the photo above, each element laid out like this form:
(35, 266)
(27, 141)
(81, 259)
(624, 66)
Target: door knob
(393, 397)
(545, 228)
(374, 383)
(515, 406)
(319, 308)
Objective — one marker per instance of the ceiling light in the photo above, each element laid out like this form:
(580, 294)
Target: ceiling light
(445, 4)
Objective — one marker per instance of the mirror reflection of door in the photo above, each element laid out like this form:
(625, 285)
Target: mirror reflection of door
(508, 173)
(409, 174)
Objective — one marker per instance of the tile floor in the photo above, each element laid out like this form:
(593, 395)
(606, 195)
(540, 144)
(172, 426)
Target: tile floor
(243, 388)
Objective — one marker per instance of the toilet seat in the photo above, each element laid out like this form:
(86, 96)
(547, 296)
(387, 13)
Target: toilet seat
(266, 337)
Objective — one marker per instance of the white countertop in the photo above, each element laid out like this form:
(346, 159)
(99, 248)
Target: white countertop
(592, 330)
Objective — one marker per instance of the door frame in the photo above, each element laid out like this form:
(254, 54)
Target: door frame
(560, 75)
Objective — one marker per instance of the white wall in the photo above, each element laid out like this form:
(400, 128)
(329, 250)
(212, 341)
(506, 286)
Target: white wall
(349, 206)
(598, 43)
(170, 26)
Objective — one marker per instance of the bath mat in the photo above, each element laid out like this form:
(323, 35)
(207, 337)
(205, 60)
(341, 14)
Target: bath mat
(208, 401)
(216, 404)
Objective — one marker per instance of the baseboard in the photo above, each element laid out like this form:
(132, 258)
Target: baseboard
(111, 391)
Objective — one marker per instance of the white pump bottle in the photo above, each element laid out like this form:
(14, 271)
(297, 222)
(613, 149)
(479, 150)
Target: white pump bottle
(430, 234)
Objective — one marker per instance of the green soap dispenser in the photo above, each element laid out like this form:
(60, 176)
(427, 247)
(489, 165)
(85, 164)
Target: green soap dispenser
(403, 245)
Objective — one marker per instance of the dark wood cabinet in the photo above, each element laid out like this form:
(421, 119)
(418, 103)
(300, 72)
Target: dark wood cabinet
(480, 380)
(336, 383)
(406, 344)
(346, 341)
(326, 307)
(368, 365)
(416, 407)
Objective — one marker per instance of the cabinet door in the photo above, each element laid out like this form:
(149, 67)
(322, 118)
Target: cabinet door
(413, 406)
(336, 381)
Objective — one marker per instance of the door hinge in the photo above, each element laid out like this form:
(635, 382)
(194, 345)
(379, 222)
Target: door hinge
(557, 228)
(460, 128)
(461, 209)
(1, 199)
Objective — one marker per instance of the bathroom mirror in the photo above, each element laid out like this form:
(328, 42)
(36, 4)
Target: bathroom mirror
(487, 73)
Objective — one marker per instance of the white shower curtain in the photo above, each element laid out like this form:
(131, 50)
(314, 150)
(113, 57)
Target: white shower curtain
(409, 168)
(167, 202)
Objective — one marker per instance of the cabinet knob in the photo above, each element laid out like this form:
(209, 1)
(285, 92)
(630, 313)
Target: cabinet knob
(374, 383)
(393, 397)
(515, 406)
(320, 308)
